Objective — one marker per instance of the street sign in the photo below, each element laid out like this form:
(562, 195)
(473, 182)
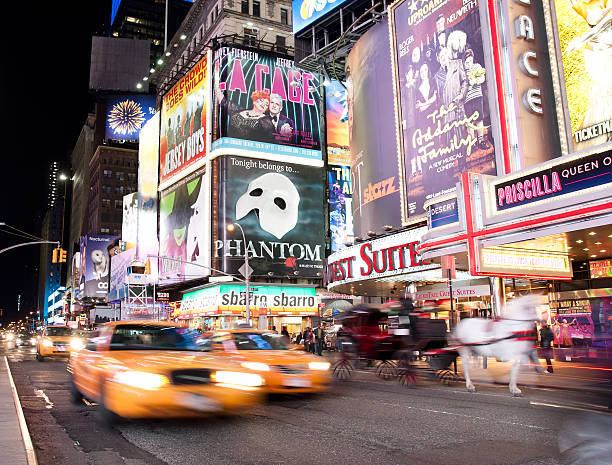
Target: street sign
(244, 271)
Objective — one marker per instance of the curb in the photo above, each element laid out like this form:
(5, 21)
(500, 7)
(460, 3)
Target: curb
(25, 433)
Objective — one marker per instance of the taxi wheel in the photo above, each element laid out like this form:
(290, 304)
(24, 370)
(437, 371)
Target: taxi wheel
(108, 417)
(39, 357)
(75, 395)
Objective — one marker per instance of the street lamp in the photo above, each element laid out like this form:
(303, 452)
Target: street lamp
(231, 227)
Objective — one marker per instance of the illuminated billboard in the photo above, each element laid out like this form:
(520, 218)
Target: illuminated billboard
(266, 104)
(336, 123)
(584, 53)
(183, 230)
(340, 206)
(129, 226)
(127, 114)
(280, 207)
(442, 112)
(95, 265)
(306, 12)
(183, 135)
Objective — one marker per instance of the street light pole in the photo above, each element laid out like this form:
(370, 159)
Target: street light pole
(231, 227)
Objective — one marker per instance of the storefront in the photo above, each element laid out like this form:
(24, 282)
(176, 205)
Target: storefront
(224, 306)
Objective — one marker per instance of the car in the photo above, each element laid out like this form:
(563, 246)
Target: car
(151, 369)
(285, 369)
(56, 341)
(25, 338)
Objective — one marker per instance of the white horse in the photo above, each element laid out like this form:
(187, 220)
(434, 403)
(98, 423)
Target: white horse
(510, 337)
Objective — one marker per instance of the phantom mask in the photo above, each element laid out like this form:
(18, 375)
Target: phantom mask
(275, 200)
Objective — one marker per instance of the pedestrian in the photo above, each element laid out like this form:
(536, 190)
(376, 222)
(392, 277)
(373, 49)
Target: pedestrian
(284, 331)
(533, 353)
(313, 342)
(307, 339)
(546, 339)
(274, 329)
(320, 334)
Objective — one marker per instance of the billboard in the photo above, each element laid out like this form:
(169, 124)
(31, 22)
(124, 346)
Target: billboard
(374, 161)
(340, 206)
(306, 12)
(126, 115)
(442, 113)
(148, 161)
(584, 51)
(280, 207)
(265, 104)
(183, 136)
(129, 226)
(336, 123)
(118, 272)
(95, 265)
(183, 232)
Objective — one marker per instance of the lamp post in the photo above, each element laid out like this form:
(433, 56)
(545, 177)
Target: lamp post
(231, 227)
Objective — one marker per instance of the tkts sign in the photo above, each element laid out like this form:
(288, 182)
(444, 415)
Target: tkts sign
(387, 256)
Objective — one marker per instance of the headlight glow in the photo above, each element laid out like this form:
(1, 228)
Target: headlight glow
(18, 340)
(256, 366)
(322, 366)
(33, 340)
(47, 342)
(141, 379)
(10, 336)
(237, 378)
(77, 344)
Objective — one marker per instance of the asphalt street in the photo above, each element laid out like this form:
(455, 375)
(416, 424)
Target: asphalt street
(362, 421)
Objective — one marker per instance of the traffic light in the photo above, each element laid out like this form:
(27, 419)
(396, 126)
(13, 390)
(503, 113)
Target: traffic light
(54, 259)
(62, 256)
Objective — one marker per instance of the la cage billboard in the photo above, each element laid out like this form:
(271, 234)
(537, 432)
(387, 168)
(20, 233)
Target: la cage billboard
(184, 122)
(280, 207)
(264, 103)
(442, 112)
(127, 114)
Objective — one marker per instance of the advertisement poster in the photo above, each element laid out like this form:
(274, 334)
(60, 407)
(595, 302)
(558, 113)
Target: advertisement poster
(306, 12)
(336, 119)
(126, 115)
(585, 42)
(340, 206)
(183, 123)
(265, 104)
(148, 172)
(95, 265)
(183, 230)
(443, 112)
(129, 226)
(374, 161)
(118, 272)
(280, 207)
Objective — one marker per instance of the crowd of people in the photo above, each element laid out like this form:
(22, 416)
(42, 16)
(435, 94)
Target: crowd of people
(313, 339)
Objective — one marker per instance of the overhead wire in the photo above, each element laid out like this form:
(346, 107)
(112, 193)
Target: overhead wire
(20, 235)
(32, 236)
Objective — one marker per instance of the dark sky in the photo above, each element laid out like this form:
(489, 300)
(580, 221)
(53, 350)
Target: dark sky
(45, 100)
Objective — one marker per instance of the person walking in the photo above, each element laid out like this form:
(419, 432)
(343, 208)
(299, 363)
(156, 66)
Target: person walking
(320, 336)
(307, 339)
(313, 342)
(546, 339)
(284, 332)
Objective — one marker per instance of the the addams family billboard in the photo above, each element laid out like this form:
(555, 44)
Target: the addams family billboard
(264, 103)
(443, 116)
(280, 207)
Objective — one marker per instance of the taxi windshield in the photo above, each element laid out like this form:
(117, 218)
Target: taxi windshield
(59, 331)
(153, 337)
(260, 341)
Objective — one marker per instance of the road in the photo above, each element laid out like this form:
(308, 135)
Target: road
(363, 421)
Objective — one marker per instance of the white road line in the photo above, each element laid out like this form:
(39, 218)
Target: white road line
(40, 393)
(25, 434)
(569, 407)
(90, 404)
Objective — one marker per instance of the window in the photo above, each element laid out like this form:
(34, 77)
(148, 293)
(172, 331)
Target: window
(132, 177)
(217, 10)
(250, 37)
(245, 7)
(104, 230)
(106, 202)
(280, 44)
(107, 189)
(108, 174)
(284, 16)
(256, 8)
(120, 176)
(118, 203)
(117, 232)
(120, 190)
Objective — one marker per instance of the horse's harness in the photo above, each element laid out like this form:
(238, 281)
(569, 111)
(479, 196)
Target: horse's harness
(515, 335)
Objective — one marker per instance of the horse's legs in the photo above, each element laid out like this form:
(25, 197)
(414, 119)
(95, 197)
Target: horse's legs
(464, 352)
(513, 374)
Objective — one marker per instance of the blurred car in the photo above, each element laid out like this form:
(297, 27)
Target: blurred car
(56, 341)
(285, 369)
(25, 338)
(136, 369)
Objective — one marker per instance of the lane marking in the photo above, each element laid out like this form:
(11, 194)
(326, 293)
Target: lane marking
(89, 404)
(569, 407)
(40, 393)
(25, 434)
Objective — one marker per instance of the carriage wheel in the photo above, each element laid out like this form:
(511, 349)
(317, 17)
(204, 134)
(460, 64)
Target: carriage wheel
(386, 370)
(342, 369)
(446, 377)
(407, 377)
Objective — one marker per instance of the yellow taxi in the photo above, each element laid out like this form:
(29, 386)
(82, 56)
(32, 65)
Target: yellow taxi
(56, 341)
(285, 369)
(150, 369)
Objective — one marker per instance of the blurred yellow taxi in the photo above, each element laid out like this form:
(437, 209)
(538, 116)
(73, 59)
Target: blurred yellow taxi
(136, 369)
(285, 369)
(56, 341)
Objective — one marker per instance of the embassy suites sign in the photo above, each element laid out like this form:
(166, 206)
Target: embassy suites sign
(387, 256)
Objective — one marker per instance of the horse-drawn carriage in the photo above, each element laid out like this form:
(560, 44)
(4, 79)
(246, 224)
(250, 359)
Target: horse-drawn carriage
(389, 340)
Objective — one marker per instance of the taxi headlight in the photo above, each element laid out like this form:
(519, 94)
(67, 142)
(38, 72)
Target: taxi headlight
(18, 340)
(141, 379)
(10, 336)
(237, 378)
(256, 366)
(322, 366)
(77, 344)
(33, 340)
(47, 343)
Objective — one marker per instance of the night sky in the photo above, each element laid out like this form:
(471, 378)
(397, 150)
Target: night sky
(45, 101)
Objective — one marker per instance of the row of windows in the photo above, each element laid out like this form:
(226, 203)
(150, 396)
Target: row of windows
(107, 203)
(120, 175)
(119, 162)
(116, 232)
(119, 190)
(256, 10)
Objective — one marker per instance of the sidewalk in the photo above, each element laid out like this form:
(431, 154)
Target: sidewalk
(12, 443)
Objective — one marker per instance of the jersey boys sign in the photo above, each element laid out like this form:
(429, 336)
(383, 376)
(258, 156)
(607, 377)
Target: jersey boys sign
(396, 254)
